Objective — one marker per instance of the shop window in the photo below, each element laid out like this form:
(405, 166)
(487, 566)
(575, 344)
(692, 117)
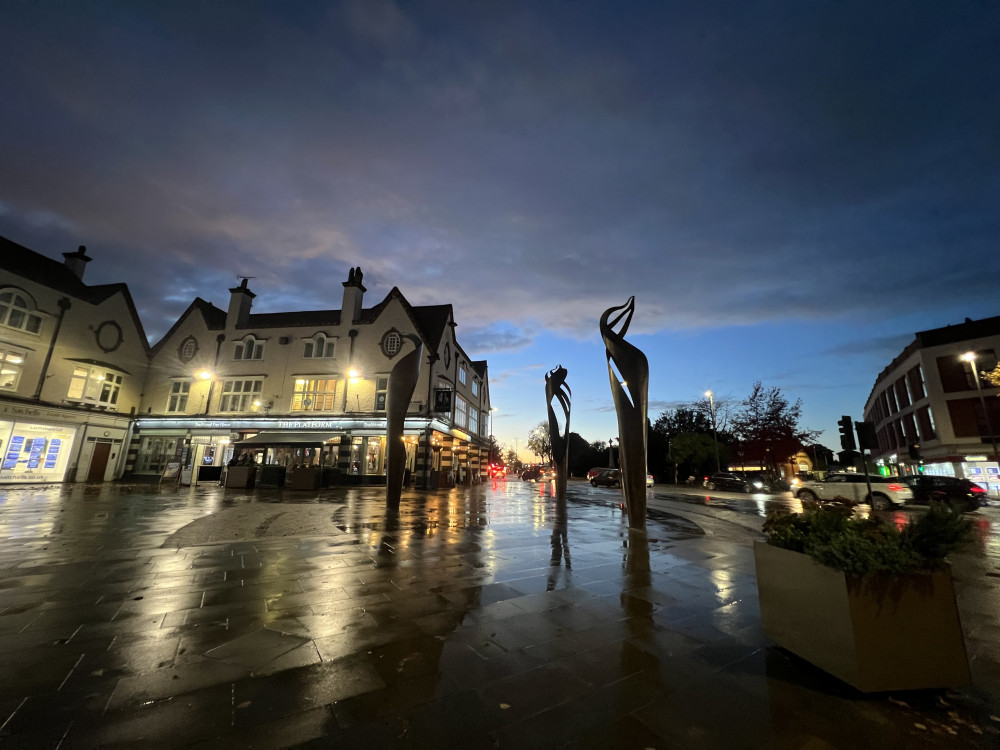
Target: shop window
(473, 420)
(178, 400)
(461, 411)
(241, 395)
(381, 392)
(314, 394)
(462, 374)
(154, 453)
(17, 311)
(249, 348)
(318, 346)
(96, 385)
(11, 364)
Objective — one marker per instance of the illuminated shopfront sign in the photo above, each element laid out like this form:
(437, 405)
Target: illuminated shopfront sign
(34, 452)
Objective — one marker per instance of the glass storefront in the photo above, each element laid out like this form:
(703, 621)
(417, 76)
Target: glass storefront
(32, 452)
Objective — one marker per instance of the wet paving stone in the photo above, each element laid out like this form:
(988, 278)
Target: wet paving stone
(197, 617)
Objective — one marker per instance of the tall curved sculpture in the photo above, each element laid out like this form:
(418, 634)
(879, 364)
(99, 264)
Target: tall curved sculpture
(557, 390)
(402, 381)
(631, 403)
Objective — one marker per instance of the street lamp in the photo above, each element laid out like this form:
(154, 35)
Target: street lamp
(970, 357)
(715, 437)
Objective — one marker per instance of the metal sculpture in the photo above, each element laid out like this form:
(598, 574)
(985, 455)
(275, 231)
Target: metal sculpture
(557, 390)
(402, 381)
(631, 403)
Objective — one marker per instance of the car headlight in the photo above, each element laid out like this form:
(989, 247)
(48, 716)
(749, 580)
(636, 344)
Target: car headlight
(758, 485)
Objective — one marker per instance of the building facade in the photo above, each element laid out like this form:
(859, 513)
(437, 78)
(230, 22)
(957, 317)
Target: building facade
(308, 389)
(931, 409)
(73, 362)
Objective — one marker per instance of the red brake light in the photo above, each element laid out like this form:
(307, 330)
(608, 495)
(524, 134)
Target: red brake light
(975, 489)
(893, 487)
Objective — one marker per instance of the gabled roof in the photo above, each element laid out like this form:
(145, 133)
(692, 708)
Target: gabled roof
(429, 320)
(215, 320)
(58, 276)
(480, 366)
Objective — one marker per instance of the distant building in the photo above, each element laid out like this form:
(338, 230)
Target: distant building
(73, 362)
(927, 408)
(308, 388)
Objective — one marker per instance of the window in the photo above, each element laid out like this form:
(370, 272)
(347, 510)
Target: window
(314, 394)
(16, 311)
(391, 343)
(473, 421)
(95, 384)
(461, 411)
(475, 387)
(11, 363)
(915, 377)
(902, 393)
(462, 374)
(188, 348)
(381, 389)
(249, 348)
(178, 400)
(318, 346)
(241, 395)
(926, 422)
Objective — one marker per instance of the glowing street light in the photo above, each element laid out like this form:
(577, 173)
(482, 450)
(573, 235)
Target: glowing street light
(715, 437)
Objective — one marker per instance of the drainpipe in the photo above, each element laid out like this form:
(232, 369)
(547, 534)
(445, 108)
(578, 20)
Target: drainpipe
(215, 371)
(431, 359)
(353, 334)
(64, 305)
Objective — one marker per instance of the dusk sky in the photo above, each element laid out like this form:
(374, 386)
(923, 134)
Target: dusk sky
(790, 189)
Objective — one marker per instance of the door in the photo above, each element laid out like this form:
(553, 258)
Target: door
(99, 462)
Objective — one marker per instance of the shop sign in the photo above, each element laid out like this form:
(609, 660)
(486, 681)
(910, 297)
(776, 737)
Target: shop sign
(442, 399)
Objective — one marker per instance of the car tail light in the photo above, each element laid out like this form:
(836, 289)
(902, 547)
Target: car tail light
(977, 490)
(893, 487)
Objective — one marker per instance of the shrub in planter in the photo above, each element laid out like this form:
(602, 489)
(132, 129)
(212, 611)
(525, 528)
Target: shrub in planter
(867, 602)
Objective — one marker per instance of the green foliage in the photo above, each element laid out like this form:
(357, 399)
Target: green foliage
(832, 536)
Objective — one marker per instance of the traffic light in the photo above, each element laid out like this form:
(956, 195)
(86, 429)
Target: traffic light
(846, 433)
(867, 437)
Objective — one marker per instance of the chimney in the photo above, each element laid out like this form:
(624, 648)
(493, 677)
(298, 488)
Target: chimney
(354, 292)
(77, 262)
(239, 306)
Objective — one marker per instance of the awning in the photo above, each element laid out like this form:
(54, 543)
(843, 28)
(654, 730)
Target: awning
(288, 438)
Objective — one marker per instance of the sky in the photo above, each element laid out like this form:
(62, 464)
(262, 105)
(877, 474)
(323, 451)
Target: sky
(790, 190)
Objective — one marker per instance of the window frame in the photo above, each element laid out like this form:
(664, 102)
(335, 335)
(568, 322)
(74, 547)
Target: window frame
(98, 385)
(306, 387)
(248, 343)
(319, 346)
(244, 398)
(7, 364)
(177, 398)
(461, 411)
(27, 308)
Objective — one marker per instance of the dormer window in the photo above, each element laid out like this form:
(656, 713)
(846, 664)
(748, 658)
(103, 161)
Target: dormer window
(17, 310)
(249, 348)
(318, 346)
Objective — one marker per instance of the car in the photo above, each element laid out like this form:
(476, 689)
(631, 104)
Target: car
(729, 480)
(607, 478)
(532, 473)
(958, 493)
(649, 480)
(887, 492)
(594, 472)
(497, 471)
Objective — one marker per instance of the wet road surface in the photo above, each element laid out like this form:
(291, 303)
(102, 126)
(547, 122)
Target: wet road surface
(173, 617)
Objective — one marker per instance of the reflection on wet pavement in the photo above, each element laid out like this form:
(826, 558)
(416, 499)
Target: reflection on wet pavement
(476, 617)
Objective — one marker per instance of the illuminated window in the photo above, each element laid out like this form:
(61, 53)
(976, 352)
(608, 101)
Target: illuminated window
(314, 394)
(241, 395)
(95, 385)
(381, 389)
(461, 411)
(11, 363)
(17, 311)
(249, 348)
(178, 400)
(318, 346)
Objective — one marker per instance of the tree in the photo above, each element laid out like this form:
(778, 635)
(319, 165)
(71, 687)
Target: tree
(540, 443)
(694, 453)
(766, 427)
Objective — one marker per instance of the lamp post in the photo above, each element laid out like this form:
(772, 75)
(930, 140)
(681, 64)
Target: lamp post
(715, 437)
(970, 357)
(492, 439)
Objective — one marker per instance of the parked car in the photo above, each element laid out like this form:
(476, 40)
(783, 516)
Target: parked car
(958, 493)
(594, 472)
(607, 478)
(887, 492)
(729, 480)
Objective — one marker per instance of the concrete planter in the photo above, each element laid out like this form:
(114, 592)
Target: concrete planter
(876, 632)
